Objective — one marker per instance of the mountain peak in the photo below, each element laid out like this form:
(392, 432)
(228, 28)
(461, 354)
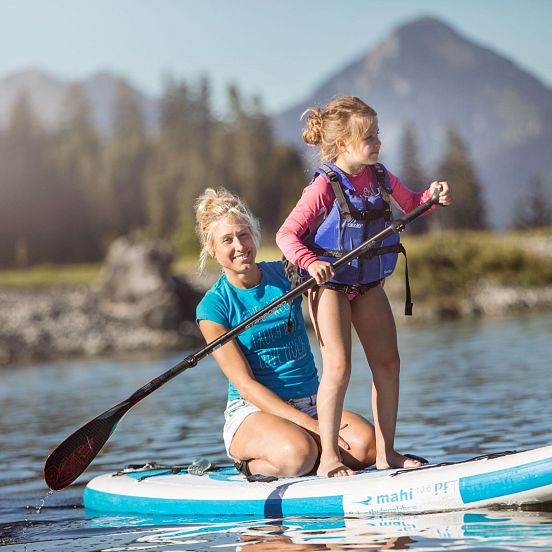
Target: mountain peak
(433, 41)
(47, 96)
(30, 73)
(426, 25)
(428, 75)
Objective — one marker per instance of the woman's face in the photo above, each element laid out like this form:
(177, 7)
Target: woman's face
(233, 245)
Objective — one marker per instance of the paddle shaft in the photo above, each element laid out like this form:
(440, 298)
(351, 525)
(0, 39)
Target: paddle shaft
(190, 361)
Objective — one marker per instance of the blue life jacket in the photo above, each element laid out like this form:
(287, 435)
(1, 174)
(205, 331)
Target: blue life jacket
(353, 220)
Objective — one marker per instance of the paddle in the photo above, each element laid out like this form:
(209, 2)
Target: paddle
(69, 459)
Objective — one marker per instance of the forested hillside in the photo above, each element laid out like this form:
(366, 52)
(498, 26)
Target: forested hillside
(68, 191)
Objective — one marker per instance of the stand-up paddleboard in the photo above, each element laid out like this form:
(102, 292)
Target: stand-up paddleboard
(506, 479)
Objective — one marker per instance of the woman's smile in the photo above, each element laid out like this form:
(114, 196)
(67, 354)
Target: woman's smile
(235, 251)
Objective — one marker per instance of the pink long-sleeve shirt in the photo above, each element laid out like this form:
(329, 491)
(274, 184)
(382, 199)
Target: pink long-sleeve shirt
(316, 203)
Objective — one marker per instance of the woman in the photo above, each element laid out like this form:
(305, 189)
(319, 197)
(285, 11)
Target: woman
(270, 420)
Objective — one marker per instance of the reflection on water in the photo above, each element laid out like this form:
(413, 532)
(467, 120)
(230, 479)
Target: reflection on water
(472, 530)
(388, 532)
(467, 389)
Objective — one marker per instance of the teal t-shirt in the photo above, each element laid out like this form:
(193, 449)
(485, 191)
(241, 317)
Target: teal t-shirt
(280, 361)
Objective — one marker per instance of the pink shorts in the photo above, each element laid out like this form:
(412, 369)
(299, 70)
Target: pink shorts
(351, 290)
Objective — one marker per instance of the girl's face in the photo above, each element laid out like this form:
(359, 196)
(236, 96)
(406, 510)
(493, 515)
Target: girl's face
(233, 245)
(364, 151)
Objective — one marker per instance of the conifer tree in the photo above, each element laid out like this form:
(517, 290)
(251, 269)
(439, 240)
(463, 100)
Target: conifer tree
(76, 154)
(237, 151)
(267, 175)
(127, 154)
(534, 207)
(29, 202)
(287, 182)
(467, 210)
(181, 164)
(412, 174)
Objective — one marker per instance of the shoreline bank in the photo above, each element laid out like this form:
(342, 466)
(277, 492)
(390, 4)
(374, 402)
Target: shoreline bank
(62, 322)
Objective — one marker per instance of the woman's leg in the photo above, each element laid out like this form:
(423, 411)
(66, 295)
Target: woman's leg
(331, 316)
(360, 436)
(374, 323)
(274, 446)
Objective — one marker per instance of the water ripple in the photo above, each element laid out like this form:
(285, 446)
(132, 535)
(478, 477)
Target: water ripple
(467, 388)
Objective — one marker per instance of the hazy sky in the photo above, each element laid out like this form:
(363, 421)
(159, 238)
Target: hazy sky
(278, 49)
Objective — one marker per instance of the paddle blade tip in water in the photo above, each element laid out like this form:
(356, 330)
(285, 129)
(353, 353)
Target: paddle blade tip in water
(67, 462)
(69, 459)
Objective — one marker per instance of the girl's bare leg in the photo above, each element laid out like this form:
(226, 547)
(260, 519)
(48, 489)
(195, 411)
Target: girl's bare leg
(374, 323)
(331, 316)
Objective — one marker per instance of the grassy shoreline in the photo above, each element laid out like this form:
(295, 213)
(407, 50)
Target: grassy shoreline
(440, 262)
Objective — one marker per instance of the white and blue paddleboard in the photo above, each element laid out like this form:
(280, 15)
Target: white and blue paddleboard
(507, 479)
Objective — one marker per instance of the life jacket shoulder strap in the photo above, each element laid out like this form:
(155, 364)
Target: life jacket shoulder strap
(379, 171)
(345, 209)
(333, 177)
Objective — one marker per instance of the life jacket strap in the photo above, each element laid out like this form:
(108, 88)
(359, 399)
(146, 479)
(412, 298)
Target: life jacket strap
(372, 214)
(335, 183)
(351, 214)
(372, 252)
(380, 177)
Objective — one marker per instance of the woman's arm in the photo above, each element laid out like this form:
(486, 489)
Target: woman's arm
(235, 367)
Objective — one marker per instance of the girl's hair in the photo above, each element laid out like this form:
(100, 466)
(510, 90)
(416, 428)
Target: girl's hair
(212, 206)
(347, 117)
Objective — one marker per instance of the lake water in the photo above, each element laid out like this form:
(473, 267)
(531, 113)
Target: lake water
(467, 388)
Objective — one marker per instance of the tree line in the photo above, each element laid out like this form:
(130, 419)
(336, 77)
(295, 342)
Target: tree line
(66, 193)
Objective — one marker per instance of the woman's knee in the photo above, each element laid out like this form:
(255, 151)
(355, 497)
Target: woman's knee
(296, 456)
(361, 438)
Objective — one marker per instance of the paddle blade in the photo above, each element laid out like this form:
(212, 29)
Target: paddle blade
(69, 459)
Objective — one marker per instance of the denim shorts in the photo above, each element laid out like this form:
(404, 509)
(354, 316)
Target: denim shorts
(237, 411)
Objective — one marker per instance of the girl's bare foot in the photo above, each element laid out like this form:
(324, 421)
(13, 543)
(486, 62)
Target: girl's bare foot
(333, 468)
(395, 460)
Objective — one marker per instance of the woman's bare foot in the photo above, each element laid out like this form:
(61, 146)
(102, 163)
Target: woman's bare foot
(396, 460)
(333, 468)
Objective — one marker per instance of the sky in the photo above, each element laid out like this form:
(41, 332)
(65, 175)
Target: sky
(279, 50)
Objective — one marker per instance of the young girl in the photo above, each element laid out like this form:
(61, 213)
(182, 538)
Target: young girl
(346, 203)
(270, 420)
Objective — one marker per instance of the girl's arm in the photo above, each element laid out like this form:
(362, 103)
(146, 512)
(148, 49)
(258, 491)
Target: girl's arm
(407, 200)
(306, 216)
(235, 367)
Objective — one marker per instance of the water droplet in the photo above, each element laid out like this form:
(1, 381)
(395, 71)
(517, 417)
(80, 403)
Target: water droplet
(43, 501)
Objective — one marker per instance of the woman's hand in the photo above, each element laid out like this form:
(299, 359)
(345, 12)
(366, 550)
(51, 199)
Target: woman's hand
(445, 197)
(321, 271)
(313, 428)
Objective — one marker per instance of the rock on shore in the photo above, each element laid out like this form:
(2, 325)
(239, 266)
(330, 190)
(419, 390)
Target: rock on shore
(138, 306)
